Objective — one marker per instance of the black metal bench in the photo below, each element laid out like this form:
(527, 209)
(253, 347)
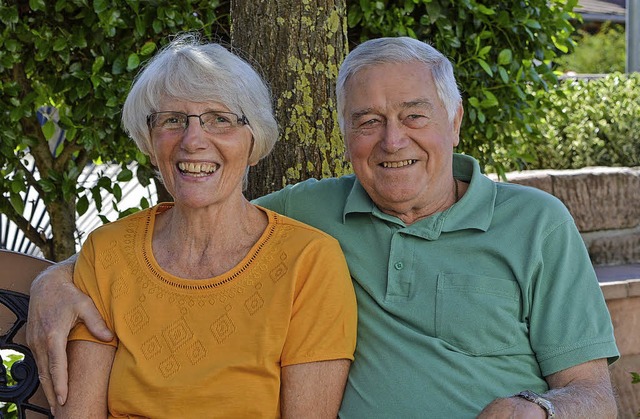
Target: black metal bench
(19, 383)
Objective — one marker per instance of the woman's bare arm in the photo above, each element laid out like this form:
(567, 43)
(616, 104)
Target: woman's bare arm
(89, 369)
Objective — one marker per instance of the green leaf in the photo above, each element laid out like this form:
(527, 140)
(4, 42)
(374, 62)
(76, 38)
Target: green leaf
(503, 75)
(485, 10)
(36, 5)
(60, 44)
(49, 129)
(534, 24)
(82, 205)
(490, 100)
(98, 63)
(16, 203)
(485, 66)
(148, 48)
(505, 57)
(125, 175)
(133, 61)
(100, 6)
(484, 51)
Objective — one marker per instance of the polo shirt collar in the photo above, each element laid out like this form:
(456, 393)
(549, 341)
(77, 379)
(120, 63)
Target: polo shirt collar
(473, 211)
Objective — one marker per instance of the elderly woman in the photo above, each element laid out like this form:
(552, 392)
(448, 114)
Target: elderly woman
(220, 308)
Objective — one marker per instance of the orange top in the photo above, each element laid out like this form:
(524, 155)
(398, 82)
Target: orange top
(215, 347)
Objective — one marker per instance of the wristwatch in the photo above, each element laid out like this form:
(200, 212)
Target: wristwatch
(539, 400)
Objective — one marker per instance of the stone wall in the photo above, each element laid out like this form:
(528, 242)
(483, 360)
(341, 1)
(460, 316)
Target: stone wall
(605, 203)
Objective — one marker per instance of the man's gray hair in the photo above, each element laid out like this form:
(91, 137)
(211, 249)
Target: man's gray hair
(399, 50)
(187, 69)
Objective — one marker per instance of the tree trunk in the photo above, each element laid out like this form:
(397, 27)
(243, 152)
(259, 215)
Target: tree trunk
(297, 46)
(63, 226)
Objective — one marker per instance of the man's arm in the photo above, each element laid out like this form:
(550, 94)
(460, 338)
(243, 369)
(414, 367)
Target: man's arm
(89, 369)
(313, 390)
(582, 391)
(55, 306)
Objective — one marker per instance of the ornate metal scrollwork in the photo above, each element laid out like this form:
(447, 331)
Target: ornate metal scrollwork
(25, 371)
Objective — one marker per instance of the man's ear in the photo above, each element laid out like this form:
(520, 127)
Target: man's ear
(457, 123)
(346, 155)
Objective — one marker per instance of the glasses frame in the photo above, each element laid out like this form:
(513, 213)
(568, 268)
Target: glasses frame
(240, 120)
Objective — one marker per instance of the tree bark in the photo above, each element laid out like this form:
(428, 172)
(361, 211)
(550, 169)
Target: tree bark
(297, 45)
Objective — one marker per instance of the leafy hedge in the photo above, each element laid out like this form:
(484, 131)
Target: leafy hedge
(590, 123)
(610, 42)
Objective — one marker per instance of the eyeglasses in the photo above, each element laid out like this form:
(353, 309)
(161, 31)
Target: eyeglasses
(213, 122)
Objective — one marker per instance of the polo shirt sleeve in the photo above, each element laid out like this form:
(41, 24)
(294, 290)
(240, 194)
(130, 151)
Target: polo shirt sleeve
(275, 201)
(569, 320)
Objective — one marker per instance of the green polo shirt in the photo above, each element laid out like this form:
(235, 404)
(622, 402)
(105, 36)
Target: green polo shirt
(477, 302)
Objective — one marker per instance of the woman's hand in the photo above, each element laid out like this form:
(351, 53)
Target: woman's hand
(56, 305)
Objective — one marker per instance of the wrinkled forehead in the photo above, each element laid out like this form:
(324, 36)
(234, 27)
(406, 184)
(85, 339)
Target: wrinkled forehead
(398, 83)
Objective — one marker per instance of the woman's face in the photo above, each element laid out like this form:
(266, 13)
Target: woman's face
(200, 168)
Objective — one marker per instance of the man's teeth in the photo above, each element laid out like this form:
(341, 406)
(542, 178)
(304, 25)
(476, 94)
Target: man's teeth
(197, 169)
(395, 164)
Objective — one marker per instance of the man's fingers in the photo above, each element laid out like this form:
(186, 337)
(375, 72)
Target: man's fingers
(47, 387)
(58, 371)
(90, 316)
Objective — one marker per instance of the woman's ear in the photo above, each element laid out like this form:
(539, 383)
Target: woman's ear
(251, 162)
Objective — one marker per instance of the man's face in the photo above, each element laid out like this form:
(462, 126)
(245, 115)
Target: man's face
(399, 138)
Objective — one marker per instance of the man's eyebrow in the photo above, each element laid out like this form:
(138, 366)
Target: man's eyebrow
(417, 103)
(357, 114)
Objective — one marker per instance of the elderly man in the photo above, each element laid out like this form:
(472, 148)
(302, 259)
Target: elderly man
(475, 298)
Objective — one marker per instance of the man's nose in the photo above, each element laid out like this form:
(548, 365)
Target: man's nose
(395, 137)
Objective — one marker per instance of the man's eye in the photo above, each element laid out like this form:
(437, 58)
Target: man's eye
(415, 121)
(369, 123)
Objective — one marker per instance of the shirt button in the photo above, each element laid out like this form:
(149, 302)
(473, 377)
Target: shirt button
(398, 265)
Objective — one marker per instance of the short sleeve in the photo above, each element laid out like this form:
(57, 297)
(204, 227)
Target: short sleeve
(85, 278)
(570, 323)
(323, 320)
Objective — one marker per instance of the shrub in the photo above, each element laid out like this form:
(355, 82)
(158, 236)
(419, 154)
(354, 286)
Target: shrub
(591, 123)
(610, 44)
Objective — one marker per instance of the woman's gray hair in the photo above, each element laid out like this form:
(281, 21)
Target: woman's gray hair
(189, 70)
(399, 50)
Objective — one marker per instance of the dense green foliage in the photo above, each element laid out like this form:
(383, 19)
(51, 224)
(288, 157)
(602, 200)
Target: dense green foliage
(497, 49)
(610, 44)
(79, 57)
(585, 123)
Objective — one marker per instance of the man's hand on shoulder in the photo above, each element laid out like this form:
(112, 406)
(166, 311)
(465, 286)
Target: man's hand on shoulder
(55, 306)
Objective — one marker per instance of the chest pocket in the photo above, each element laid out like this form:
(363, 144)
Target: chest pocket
(479, 315)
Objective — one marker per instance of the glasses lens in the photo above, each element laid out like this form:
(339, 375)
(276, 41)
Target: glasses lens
(216, 121)
(170, 121)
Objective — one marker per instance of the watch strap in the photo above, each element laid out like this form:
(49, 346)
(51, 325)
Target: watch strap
(539, 400)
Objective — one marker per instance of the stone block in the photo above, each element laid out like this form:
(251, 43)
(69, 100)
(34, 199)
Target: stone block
(599, 198)
(615, 249)
(540, 179)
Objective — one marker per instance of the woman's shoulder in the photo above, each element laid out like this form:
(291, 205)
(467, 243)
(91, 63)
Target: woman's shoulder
(124, 224)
